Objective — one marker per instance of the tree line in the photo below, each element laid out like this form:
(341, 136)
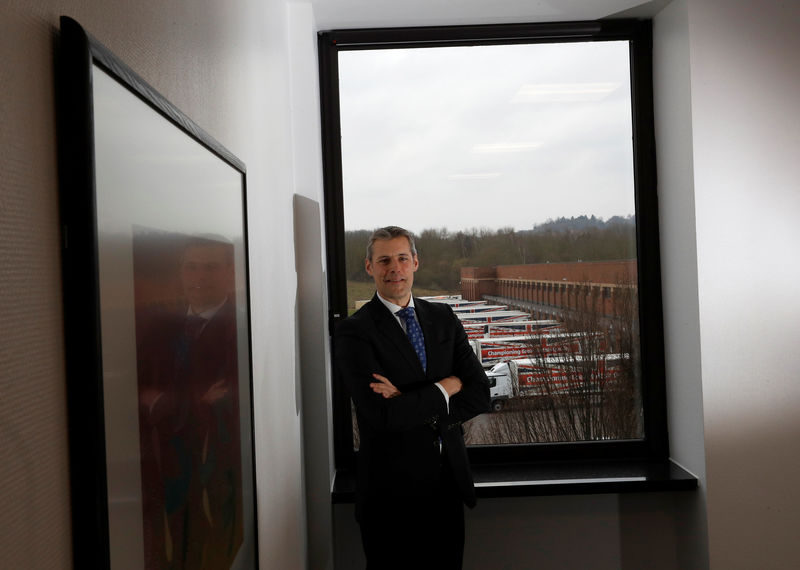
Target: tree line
(442, 253)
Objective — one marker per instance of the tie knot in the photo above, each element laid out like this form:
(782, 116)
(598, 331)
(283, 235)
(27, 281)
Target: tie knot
(407, 313)
(194, 325)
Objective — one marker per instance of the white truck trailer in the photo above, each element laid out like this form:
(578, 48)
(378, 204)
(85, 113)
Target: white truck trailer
(491, 350)
(549, 376)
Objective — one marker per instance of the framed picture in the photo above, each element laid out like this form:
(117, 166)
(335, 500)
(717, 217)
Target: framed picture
(157, 325)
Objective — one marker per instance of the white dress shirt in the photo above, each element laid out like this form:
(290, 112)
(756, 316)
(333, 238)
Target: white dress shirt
(393, 309)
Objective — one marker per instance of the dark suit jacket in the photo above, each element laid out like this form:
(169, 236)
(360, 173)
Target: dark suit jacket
(399, 437)
(190, 449)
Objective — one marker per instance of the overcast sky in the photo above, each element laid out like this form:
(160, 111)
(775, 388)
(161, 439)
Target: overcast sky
(485, 136)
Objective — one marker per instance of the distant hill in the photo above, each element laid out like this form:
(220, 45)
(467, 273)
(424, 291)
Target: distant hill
(443, 254)
(580, 224)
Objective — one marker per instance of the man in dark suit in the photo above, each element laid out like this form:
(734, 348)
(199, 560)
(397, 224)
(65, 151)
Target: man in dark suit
(414, 379)
(189, 419)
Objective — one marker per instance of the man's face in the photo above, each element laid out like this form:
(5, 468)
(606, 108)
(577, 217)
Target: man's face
(392, 268)
(207, 276)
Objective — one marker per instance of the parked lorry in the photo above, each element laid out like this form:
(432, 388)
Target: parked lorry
(452, 300)
(493, 317)
(542, 326)
(512, 328)
(491, 350)
(550, 376)
(479, 308)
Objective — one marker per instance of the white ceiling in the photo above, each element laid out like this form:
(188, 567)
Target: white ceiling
(333, 14)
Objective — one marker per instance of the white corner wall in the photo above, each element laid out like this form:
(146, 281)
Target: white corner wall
(677, 226)
(227, 66)
(745, 88)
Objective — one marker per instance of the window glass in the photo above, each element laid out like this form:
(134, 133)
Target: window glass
(513, 165)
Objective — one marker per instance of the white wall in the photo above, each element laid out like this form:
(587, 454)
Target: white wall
(673, 125)
(746, 151)
(226, 65)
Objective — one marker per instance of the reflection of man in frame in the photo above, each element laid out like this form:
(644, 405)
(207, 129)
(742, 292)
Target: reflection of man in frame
(189, 419)
(414, 379)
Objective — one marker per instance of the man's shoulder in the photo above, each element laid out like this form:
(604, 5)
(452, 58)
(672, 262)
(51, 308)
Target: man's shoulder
(432, 308)
(362, 318)
(368, 310)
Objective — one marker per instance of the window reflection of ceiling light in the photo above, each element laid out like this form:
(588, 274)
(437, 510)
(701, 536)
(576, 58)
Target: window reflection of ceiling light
(563, 92)
(506, 147)
(475, 176)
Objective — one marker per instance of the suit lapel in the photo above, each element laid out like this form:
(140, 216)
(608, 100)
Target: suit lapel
(390, 329)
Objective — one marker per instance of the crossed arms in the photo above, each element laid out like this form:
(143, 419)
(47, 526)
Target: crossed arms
(390, 396)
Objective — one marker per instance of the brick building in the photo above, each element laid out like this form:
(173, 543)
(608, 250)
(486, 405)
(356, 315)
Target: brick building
(550, 290)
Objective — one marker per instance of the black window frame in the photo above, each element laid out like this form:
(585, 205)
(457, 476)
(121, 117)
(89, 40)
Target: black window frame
(654, 446)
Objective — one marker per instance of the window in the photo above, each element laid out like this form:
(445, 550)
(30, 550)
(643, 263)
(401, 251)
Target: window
(522, 157)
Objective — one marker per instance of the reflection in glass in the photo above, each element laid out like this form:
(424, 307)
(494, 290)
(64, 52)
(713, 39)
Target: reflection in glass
(188, 383)
(176, 397)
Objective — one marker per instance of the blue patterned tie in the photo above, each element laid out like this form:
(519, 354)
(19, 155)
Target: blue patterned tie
(414, 334)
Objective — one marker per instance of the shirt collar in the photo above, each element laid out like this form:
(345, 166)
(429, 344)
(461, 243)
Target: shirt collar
(208, 313)
(394, 308)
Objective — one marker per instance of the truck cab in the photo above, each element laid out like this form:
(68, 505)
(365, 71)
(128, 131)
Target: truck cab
(502, 378)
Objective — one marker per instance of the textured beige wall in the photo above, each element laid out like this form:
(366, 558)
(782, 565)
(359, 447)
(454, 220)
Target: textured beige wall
(226, 65)
(33, 443)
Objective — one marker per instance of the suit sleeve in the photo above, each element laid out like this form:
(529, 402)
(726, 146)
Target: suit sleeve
(473, 399)
(357, 358)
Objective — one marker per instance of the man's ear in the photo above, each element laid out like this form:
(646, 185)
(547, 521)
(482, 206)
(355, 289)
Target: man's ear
(416, 262)
(368, 266)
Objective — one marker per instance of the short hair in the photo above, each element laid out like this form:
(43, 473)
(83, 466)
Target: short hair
(387, 233)
(209, 240)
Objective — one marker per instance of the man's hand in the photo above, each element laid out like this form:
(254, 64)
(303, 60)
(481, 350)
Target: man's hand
(215, 393)
(149, 397)
(451, 385)
(384, 387)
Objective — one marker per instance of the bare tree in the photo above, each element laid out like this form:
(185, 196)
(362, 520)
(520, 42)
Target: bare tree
(581, 384)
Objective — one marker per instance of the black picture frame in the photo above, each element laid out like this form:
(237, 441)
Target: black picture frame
(153, 214)
(654, 446)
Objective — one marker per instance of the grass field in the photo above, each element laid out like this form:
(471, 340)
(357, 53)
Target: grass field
(363, 290)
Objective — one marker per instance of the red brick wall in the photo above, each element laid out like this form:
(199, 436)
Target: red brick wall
(510, 280)
(611, 272)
